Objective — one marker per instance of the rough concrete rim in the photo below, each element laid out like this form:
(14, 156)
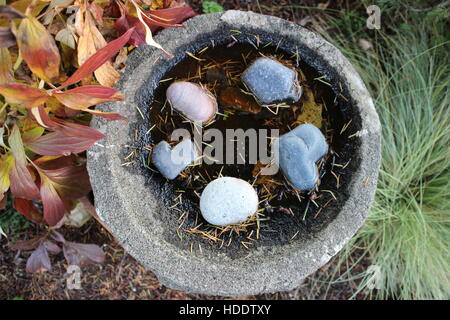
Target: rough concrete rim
(284, 269)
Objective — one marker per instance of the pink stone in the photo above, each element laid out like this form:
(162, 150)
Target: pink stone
(193, 101)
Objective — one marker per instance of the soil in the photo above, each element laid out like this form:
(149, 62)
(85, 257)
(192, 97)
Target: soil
(121, 277)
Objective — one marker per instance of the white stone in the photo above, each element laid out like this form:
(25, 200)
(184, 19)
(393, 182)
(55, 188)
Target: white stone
(227, 201)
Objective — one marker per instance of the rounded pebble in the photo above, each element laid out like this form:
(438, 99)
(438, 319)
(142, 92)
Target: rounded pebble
(228, 200)
(192, 100)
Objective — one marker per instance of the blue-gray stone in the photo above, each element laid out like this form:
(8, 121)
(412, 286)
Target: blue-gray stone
(313, 138)
(171, 161)
(272, 82)
(299, 150)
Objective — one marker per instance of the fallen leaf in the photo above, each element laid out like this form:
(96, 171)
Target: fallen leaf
(53, 9)
(311, 111)
(82, 254)
(90, 41)
(98, 59)
(39, 260)
(29, 244)
(38, 49)
(78, 216)
(52, 247)
(6, 71)
(66, 37)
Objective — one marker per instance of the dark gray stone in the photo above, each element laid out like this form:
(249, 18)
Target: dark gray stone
(272, 82)
(134, 205)
(171, 161)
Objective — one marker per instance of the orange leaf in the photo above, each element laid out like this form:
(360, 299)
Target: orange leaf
(38, 49)
(83, 97)
(23, 94)
(89, 42)
(107, 115)
(6, 71)
(98, 59)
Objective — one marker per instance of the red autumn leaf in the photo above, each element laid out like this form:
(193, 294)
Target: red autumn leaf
(155, 19)
(71, 182)
(168, 18)
(98, 58)
(29, 244)
(57, 143)
(41, 116)
(55, 162)
(76, 136)
(23, 94)
(53, 205)
(90, 41)
(83, 97)
(28, 209)
(39, 260)
(77, 130)
(127, 21)
(22, 183)
(38, 49)
(82, 254)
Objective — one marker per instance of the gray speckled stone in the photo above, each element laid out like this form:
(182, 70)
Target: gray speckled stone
(135, 207)
(228, 200)
(272, 82)
(171, 161)
(299, 150)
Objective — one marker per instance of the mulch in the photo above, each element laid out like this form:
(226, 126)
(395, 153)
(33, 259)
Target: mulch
(122, 277)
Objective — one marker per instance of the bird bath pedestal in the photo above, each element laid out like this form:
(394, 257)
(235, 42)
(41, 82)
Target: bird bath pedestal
(134, 202)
